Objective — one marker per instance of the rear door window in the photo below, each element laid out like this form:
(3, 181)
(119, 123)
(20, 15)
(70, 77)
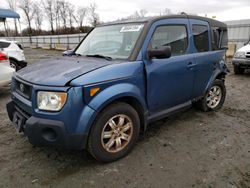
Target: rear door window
(201, 40)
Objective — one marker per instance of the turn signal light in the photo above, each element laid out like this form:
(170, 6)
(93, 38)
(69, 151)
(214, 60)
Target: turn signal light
(93, 91)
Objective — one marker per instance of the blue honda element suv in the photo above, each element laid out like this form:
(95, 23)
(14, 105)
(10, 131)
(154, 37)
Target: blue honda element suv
(121, 77)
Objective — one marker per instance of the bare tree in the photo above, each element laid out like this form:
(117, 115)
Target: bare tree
(57, 13)
(167, 11)
(13, 6)
(63, 12)
(80, 15)
(135, 15)
(38, 16)
(27, 8)
(142, 13)
(49, 10)
(71, 11)
(93, 16)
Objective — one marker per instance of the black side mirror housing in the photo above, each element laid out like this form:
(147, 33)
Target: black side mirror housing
(160, 53)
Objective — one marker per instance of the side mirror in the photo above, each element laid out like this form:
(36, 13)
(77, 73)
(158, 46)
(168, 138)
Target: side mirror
(160, 53)
(68, 53)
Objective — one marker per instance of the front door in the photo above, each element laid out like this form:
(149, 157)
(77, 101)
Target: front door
(169, 81)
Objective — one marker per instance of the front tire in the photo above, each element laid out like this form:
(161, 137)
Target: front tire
(214, 98)
(114, 132)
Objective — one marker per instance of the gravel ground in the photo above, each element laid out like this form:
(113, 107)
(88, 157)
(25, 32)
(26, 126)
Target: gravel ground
(191, 149)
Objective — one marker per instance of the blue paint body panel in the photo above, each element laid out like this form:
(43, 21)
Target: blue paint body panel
(158, 85)
(60, 71)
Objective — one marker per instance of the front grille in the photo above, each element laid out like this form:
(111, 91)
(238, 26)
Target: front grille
(248, 55)
(23, 89)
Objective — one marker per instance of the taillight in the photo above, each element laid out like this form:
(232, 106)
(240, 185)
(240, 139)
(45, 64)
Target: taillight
(3, 56)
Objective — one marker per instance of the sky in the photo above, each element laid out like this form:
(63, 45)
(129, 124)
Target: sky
(223, 10)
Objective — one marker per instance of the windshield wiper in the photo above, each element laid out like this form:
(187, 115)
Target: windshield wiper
(78, 54)
(100, 56)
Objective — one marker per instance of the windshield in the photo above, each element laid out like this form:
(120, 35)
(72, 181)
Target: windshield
(114, 41)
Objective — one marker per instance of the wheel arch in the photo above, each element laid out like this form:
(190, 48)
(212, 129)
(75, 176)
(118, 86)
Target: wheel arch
(217, 75)
(132, 101)
(13, 59)
(221, 76)
(16, 62)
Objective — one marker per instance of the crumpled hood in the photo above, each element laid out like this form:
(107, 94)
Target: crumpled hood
(60, 71)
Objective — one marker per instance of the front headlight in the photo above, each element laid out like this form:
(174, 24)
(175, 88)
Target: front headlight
(240, 55)
(51, 101)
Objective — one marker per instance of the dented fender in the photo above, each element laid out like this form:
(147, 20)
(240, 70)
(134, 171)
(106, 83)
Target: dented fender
(221, 69)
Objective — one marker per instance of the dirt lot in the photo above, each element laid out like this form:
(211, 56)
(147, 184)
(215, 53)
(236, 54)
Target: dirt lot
(192, 149)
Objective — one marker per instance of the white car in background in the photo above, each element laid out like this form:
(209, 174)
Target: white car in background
(6, 71)
(15, 53)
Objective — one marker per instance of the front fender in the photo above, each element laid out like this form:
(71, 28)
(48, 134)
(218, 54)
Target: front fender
(114, 92)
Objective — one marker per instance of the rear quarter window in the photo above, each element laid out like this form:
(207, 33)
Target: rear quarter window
(224, 39)
(219, 38)
(215, 39)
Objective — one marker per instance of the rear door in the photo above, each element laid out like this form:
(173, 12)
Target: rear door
(169, 81)
(204, 57)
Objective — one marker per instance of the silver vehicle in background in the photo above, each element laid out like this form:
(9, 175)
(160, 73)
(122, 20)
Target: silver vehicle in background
(241, 59)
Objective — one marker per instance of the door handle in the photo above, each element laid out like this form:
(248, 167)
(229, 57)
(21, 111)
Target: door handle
(190, 65)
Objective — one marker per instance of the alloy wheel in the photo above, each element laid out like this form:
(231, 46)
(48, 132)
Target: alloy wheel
(117, 133)
(214, 97)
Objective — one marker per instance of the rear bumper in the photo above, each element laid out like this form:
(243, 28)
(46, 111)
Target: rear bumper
(42, 132)
(244, 63)
(6, 75)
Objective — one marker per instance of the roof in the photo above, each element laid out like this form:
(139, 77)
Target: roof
(7, 13)
(212, 22)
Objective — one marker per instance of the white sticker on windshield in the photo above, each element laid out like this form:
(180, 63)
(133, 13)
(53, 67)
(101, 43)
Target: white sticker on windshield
(131, 28)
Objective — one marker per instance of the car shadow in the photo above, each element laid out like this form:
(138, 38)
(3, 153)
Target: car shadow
(245, 74)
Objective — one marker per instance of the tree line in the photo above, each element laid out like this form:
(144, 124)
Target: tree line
(62, 16)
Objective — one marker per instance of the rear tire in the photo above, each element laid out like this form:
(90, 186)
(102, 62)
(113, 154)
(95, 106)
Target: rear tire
(14, 64)
(214, 97)
(114, 132)
(238, 69)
